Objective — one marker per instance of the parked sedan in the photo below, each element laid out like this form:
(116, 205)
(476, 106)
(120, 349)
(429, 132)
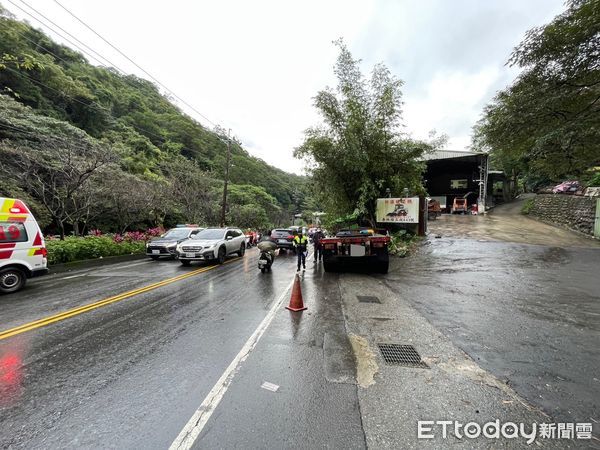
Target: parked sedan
(212, 244)
(167, 243)
(283, 237)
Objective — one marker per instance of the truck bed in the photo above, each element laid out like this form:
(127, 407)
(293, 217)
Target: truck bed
(368, 253)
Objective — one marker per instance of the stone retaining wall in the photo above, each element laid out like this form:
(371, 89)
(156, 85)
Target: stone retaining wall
(571, 211)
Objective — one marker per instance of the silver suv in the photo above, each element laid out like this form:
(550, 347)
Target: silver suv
(212, 244)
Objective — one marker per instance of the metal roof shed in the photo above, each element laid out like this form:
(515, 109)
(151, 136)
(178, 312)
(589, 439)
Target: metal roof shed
(455, 173)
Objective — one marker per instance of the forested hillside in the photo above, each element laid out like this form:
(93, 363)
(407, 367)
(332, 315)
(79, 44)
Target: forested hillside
(90, 147)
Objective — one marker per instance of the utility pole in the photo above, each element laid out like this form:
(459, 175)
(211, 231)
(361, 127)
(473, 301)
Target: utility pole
(224, 206)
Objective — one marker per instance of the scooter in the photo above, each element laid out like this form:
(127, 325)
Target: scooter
(265, 261)
(267, 255)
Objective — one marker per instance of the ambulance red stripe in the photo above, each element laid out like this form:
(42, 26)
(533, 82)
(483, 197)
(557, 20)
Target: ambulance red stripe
(38, 240)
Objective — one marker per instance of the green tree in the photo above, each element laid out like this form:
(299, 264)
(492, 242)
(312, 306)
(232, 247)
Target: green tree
(58, 171)
(194, 193)
(249, 216)
(251, 206)
(360, 150)
(546, 125)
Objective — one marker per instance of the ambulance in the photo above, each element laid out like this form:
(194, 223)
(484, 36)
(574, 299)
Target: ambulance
(22, 250)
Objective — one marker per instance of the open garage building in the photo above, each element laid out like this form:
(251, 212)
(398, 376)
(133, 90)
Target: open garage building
(454, 174)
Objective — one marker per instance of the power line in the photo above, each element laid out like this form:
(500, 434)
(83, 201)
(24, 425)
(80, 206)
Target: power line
(49, 27)
(51, 138)
(107, 62)
(58, 33)
(56, 90)
(135, 64)
(37, 44)
(92, 103)
(97, 105)
(110, 63)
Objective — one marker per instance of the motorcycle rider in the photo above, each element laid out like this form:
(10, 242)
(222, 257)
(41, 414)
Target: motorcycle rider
(267, 254)
(301, 246)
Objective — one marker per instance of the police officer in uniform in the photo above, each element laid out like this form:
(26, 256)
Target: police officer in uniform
(301, 246)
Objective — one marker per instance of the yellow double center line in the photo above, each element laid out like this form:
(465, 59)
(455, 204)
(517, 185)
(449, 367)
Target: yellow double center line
(99, 304)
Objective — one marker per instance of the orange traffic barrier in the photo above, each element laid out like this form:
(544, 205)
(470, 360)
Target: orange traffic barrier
(296, 302)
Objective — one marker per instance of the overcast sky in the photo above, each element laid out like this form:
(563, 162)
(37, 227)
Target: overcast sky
(254, 66)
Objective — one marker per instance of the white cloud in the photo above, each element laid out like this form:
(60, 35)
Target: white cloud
(254, 66)
(451, 102)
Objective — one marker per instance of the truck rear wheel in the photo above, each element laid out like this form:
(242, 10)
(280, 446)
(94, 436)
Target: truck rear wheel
(383, 267)
(11, 280)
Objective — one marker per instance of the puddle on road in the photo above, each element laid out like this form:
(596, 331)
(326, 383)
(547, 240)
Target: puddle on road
(555, 255)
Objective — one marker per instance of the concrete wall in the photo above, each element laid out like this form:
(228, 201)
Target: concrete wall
(570, 211)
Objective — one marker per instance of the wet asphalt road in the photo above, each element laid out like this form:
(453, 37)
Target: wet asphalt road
(529, 314)
(131, 374)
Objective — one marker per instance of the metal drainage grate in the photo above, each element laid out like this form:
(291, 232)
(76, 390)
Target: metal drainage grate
(367, 299)
(401, 355)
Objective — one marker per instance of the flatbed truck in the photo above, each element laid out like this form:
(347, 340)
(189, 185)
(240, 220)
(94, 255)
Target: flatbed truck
(361, 249)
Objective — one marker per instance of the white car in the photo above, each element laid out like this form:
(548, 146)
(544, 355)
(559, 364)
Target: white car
(212, 244)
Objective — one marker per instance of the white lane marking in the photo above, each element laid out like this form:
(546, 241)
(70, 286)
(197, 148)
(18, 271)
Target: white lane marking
(193, 428)
(73, 276)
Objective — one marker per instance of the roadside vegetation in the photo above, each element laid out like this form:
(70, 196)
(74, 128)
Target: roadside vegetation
(88, 147)
(98, 245)
(527, 205)
(90, 247)
(403, 243)
(360, 151)
(545, 127)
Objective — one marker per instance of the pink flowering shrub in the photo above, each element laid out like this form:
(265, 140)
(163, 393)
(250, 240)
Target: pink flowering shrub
(133, 236)
(98, 245)
(156, 231)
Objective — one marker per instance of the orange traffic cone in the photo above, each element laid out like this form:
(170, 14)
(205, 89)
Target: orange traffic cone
(296, 302)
